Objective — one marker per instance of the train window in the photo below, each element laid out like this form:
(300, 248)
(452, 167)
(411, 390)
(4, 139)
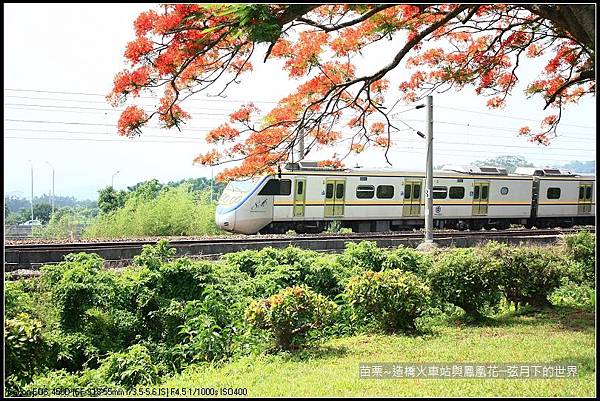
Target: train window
(553, 193)
(476, 192)
(407, 189)
(588, 192)
(416, 191)
(440, 192)
(339, 191)
(504, 190)
(484, 192)
(385, 191)
(365, 191)
(277, 187)
(329, 191)
(300, 187)
(285, 187)
(581, 190)
(456, 192)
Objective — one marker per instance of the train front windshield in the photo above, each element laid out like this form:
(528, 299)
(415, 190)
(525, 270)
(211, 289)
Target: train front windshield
(236, 190)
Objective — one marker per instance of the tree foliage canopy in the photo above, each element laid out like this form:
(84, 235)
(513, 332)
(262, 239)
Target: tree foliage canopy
(184, 49)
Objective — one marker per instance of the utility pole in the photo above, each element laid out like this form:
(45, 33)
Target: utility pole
(429, 173)
(428, 243)
(297, 153)
(48, 163)
(31, 165)
(212, 179)
(301, 145)
(112, 180)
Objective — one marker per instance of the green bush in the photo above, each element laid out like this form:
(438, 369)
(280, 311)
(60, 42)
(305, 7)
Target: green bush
(71, 351)
(25, 350)
(17, 299)
(246, 261)
(529, 274)
(66, 222)
(131, 368)
(394, 299)
(581, 248)
(154, 256)
(407, 259)
(291, 315)
(92, 379)
(210, 327)
(273, 269)
(574, 295)
(363, 256)
(468, 279)
(78, 284)
(319, 276)
(175, 211)
(265, 260)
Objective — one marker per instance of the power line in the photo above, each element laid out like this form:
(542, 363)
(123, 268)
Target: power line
(139, 97)
(254, 101)
(510, 117)
(141, 140)
(122, 140)
(395, 141)
(512, 130)
(99, 133)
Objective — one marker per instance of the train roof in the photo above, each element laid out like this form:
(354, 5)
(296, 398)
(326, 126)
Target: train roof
(461, 170)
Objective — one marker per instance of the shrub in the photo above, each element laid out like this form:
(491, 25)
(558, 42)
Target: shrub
(581, 249)
(267, 259)
(131, 368)
(530, 274)
(574, 295)
(154, 256)
(246, 261)
(407, 259)
(320, 276)
(291, 315)
(66, 222)
(71, 351)
(79, 284)
(175, 211)
(65, 381)
(468, 279)
(16, 299)
(363, 256)
(25, 350)
(210, 327)
(186, 279)
(392, 298)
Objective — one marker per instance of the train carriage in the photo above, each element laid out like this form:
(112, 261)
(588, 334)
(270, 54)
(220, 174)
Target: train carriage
(561, 197)
(307, 198)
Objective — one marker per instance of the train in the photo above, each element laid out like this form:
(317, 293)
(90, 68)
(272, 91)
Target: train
(307, 198)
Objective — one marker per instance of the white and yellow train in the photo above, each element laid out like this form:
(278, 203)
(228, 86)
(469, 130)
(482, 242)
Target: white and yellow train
(307, 198)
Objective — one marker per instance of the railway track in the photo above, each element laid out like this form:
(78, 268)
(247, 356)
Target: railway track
(28, 256)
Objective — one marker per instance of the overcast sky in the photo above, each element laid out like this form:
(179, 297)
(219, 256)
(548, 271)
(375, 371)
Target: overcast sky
(60, 63)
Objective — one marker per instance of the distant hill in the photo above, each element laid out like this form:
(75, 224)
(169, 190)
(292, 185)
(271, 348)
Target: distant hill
(580, 167)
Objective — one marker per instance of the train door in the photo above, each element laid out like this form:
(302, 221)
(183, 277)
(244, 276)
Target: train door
(335, 197)
(340, 197)
(481, 197)
(299, 197)
(585, 198)
(412, 198)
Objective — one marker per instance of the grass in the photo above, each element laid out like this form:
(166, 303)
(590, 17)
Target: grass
(560, 336)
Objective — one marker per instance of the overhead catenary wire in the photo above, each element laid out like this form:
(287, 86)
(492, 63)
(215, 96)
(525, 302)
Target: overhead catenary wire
(200, 138)
(123, 140)
(507, 116)
(226, 100)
